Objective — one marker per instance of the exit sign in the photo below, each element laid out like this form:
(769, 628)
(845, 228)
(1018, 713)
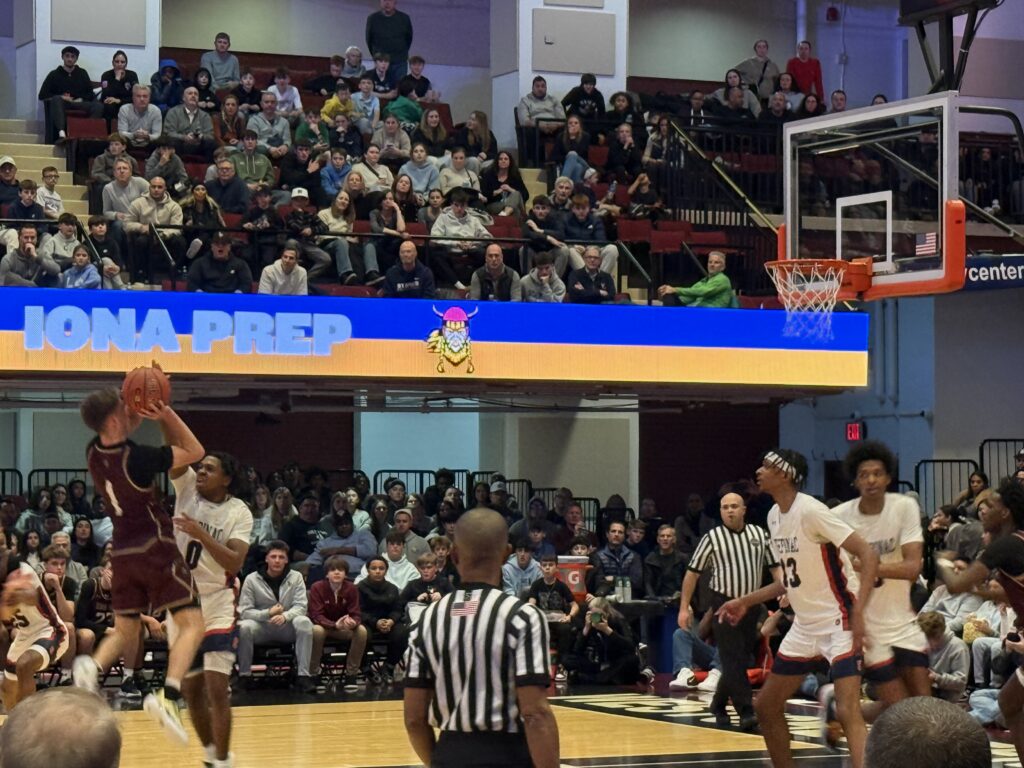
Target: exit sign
(856, 431)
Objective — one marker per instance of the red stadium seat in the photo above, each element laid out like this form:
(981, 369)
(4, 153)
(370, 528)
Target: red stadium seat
(684, 227)
(416, 228)
(361, 227)
(635, 230)
(87, 128)
(621, 196)
(663, 242)
(597, 156)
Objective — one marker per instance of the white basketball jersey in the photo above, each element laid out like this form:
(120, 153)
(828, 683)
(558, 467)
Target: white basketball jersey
(38, 617)
(898, 523)
(228, 520)
(819, 578)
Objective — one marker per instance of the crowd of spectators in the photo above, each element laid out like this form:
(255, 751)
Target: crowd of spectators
(342, 185)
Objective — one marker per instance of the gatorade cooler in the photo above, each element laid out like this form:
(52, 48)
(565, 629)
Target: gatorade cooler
(573, 571)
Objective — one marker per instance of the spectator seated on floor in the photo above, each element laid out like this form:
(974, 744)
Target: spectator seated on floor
(712, 290)
(948, 657)
(273, 607)
(605, 652)
(551, 595)
(690, 652)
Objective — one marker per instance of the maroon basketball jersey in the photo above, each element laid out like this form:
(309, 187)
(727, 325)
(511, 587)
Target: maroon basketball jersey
(137, 515)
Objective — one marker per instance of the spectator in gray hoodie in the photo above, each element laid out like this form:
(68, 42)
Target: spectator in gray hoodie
(948, 658)
(542, 284)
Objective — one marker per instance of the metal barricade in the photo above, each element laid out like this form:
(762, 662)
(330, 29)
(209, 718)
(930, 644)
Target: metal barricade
(548, 494)
(591, 511)
(902, 486)
(416, 480)
(12, 483)
(340, 479)
(472, 478)
(48, 477)
(521, 490)
(998, 457)
(939, 481)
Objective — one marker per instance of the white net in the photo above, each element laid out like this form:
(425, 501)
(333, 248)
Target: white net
(808, 289)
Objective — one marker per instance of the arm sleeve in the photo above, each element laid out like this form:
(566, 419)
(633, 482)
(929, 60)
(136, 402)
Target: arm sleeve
(247, 601)
(529, 646)
(145, 462)
(297, 592)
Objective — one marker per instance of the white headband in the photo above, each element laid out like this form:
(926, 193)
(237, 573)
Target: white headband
(773, 459)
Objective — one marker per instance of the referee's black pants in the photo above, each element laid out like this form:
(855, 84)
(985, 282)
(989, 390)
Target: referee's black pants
(735, 645)
(481, 750)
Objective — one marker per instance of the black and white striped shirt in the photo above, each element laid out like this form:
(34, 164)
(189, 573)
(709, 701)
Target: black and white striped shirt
(473, 647)
(739, 559)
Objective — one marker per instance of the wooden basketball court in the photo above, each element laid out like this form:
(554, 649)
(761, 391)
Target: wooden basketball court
(620, 728)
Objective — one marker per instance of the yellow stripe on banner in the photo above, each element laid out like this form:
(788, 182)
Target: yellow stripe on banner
(364, 358)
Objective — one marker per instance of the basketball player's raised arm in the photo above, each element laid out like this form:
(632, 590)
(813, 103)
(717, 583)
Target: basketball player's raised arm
(186, 449)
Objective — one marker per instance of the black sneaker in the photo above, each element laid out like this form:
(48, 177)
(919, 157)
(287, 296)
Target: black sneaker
(373, 277)
(130, 688)
(305, 684)
(350, 278)
(349, 682)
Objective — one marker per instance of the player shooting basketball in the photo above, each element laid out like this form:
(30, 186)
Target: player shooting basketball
(150, 574)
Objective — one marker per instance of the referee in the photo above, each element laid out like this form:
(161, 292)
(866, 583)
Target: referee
(477, 665)
(738, 554)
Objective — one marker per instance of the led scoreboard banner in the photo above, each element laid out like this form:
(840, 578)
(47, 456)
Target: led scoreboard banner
(59, 331)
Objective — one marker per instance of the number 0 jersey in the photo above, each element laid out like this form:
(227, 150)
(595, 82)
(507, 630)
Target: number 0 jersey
(228, 520)
(898, 523)
(820, 581)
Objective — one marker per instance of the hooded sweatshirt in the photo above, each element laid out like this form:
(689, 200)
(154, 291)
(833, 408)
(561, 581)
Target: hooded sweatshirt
(260, 593)
(534, 289)
(81, 277)
(167, 94)
(950, 662)
(424, 177)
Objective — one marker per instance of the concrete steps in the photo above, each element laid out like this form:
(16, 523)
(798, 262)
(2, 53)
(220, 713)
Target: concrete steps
(22, 140)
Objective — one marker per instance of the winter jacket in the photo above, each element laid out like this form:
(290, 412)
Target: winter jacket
(103, 166)
(326, 606)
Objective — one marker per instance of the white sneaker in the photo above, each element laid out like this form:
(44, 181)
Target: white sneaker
(193, 249)
(460, 285)
(710, 683)
(86, 674)
(683, 681)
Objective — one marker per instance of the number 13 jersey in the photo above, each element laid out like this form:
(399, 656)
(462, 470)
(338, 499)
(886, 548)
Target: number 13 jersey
(820, 580)
(228, 520)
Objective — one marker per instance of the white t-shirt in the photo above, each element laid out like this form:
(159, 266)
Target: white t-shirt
(897, 524)
(228, 520)
(819, 578)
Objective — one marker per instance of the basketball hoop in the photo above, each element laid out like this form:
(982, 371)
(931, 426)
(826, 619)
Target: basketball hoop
(808, 289)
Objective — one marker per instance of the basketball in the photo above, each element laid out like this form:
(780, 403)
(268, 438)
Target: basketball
(145, 386)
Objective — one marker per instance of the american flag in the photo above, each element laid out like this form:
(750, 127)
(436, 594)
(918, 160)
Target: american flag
(926, 244)
(465, 608)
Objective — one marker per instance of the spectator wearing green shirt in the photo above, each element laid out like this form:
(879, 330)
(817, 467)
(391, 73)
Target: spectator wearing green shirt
(407, 111)
(713, 290)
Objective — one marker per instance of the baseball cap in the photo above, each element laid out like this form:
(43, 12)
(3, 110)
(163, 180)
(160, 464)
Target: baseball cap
(7, 160)
(300, 192)
(498, 486)
(221, 238)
